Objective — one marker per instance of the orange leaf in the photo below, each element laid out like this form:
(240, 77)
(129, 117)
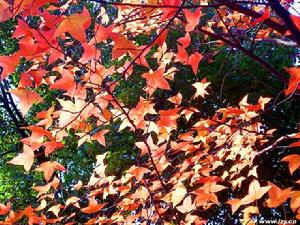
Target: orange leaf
(75, 25)
(43, 189)
(295, 144)
(102, 33)
(182, 55)
(122, 46)
(194, 60)
(185, 41)
(277, 195)
(90, 52)
(37, 136)
(66, 82)
(235, 204)
(156, 80)
(203, 197)
(4, 209)
(5, 12)
(293, 161)
(28, 46)
(24, 159)
(176, 99)
(50, 146)
(294, 80)
(99, 136)
(213, 187)
(93, 207)
(144, 147)
(169, 12)
(8, 64)
(106, 114)
(255, 192)
(48, 169)
(168, 118)
(141, 193)
(193, 18)
(27, 98)
(55, 55)
(46, 116)
(162, 37)
(295, 200)
(138, 172)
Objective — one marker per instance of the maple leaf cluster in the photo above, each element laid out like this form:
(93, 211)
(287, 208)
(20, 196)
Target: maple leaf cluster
(179, 173)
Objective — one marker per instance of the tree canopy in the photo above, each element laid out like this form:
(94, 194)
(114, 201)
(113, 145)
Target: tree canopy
(149, 112)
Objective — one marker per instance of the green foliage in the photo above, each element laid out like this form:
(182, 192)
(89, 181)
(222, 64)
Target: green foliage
(8, 45)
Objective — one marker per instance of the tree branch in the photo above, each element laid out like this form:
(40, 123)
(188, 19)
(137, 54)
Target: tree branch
(286, 17)
(12, 103)
(283, 138)
(269, 22)
(247, 52)
(10, 112)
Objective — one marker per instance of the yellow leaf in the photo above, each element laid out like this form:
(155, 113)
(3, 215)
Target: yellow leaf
(187, 205)
(255, 192)
(55, 209)
(200, 89)
(24, 159)
(178, 194)
(42, 205)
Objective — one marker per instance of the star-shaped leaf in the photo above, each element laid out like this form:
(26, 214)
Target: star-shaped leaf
(75, 25)
(24, 159)
(200, 88)
(156, 80)
(27, 98)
